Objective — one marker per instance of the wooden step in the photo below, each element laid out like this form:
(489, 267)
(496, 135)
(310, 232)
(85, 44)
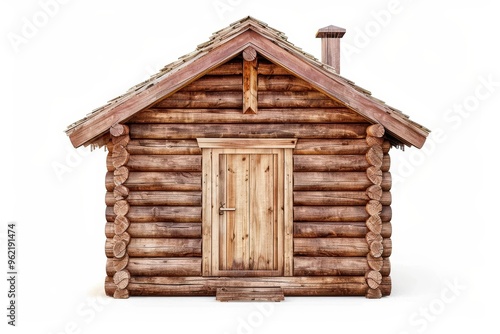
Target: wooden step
(264, 294)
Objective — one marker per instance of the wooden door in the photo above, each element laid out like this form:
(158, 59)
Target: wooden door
(247, 224)
(247, 219)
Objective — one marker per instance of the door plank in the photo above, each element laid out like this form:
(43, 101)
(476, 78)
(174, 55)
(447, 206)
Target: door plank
(237, 222)
(262, 212)
(221, 219)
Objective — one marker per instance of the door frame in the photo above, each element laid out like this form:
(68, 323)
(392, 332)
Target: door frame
(210, 208)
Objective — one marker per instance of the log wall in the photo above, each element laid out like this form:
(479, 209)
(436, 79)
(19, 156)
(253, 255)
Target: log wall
(338, 172)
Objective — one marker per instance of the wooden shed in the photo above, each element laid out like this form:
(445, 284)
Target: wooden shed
(248, 169)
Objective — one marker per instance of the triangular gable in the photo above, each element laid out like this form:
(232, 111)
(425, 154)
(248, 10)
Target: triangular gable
(225, 45)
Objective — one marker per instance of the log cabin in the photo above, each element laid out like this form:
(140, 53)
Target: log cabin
(248, 170)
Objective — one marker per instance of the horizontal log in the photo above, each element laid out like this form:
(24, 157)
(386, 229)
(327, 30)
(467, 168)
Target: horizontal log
(175, 214)
(209, 83)
(334, 146)
(271, 69)
(332, 181)
(308, 99)
(336, 214)
(181, 266)
(335, 266)
(202, 100)
(334, 163)
(158, 247)
(207, 286)
(335, 230)
(168, 198)
(235, 67)
(282, 115)
(267, 99)
(336, 247)
(229, 68)
(161, 163)
(191, 131)
(160, 146)
(161, 181)
(159, 230)
(335, 198)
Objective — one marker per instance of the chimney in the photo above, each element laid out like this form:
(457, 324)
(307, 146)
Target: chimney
(330, 45)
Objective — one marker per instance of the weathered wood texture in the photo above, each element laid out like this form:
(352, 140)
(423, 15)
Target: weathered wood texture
(176, 214)
(159, 266)
(337, 181)
(207, 286)
(336, 214)
(245, 130)
(336, 247)
(159, 230)
(158, 247)
(335, 266)
(336, 230)
(159, 181)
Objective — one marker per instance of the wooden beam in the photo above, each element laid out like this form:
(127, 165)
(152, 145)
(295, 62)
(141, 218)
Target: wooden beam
(249, 81)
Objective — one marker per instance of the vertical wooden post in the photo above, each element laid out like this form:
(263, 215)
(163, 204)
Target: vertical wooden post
(119, 157)
(374, 156)
(249, 81)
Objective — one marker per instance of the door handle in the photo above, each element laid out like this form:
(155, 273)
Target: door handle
(222, 209)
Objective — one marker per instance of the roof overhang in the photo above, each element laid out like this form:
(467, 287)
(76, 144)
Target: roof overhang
(274, 49)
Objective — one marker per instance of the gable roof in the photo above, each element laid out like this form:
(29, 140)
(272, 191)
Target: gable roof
(224, 45)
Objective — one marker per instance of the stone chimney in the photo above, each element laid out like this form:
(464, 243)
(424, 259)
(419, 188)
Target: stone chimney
(330, 45)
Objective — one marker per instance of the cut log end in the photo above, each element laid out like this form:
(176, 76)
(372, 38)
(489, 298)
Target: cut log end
(119, 249)
(372, 141)
(121, 294)
(121, 264)
(373, 279)
(121, 192)
(376, 249)
(121, 208)
(122, 224)
(120, 156)
(249, 54)
(374, 224)
(120, 175)
(374, 174)
(119, 130)
(121, 279)
(375, 130)
(375, 263)
(374, 156)
(374, 293)
(373, 207)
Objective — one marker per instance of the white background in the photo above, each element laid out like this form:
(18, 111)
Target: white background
(430, 59)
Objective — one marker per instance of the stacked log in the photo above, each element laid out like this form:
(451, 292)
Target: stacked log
(119, 157)
(374, 238)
